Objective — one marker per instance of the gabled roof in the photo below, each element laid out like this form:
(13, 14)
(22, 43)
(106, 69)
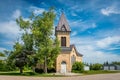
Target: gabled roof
(64, 49)
(63, 24)
(73, 46)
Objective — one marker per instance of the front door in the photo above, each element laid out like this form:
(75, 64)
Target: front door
(63, 67)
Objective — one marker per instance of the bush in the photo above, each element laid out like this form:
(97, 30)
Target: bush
(51, 70)
(37, 70)
(96, 66)
(78, 67)
(3, 66)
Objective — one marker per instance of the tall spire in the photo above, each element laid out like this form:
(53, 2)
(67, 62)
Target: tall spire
(63, 24)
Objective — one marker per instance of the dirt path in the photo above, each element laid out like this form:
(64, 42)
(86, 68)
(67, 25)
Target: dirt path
(115, 76)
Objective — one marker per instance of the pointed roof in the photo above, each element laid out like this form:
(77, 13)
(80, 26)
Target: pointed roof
(63, 24)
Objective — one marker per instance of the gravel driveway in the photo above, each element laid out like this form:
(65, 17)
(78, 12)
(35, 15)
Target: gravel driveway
(115, 76)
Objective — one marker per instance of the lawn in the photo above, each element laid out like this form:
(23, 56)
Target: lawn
(30, 73)
(99, 72)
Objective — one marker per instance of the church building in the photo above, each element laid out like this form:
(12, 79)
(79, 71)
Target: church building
(68, 54)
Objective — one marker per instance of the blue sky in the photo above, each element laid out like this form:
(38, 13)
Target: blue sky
(95, 24)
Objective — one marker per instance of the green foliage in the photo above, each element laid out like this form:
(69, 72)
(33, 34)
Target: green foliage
(37, 37)
(78, 66)
(116, 63)
(38, 45)
(96, 66)
(2, 65)
(4, 62)
(2, 54)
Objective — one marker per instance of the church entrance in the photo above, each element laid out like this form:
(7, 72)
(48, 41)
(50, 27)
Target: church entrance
(63, 67)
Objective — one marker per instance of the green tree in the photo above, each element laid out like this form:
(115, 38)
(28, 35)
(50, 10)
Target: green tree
(78, 66)
(39, 39)
(2, 61)
(96, 66)
(116, 63)
(2, 54)
(12, 58)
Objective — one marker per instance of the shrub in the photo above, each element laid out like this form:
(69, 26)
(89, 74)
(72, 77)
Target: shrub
(37, 70)
(51, 70)
(78, 67)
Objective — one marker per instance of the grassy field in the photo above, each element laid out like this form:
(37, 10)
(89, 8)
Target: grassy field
(99, 72)
(30, 73)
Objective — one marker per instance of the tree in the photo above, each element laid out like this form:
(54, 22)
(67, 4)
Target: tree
(18, 57)
(2, 54)
(39, 39)
(116, 63)
(2, 61)
(21, 61)
(96, 66)
(78, 66)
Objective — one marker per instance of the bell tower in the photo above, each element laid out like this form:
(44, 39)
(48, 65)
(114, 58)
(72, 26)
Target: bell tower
(62, 31)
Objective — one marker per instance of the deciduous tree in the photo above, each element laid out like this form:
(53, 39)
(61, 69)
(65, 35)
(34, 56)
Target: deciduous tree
(37, 36)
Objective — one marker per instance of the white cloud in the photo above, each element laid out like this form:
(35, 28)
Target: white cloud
(91, 52)
(92, 56)
(106, 42)
(2, 49)
(37, 10)
(73, 14)
(110, 10)
(93, 25)
(83, 25)
(74, 33)
(9, 28)
(16, 14)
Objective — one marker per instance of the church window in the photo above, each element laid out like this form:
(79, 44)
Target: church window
(63, 41)
(73, 59)
(63, 28)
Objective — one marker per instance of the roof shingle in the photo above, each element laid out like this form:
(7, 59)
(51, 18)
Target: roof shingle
(70, 49)
(63, 22)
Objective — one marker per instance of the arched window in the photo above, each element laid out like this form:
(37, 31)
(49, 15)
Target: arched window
(63, 41)
(73, 59)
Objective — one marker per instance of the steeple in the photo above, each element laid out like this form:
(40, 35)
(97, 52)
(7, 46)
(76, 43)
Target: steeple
(63, 24)
(62, 31)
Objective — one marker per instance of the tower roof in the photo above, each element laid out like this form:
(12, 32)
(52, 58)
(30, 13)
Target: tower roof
(63, 24)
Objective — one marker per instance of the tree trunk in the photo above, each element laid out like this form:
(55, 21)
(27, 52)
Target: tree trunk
(45, 65)
(33, 68)
(21, 70)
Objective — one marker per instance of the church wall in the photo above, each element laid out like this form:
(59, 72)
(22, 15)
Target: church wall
(78, 58)
(64, 56)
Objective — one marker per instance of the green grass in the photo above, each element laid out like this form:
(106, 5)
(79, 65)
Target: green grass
(99, 72)
(29, 73)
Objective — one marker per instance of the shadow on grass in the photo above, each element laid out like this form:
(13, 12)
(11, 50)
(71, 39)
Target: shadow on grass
(29, 74)
(18, 74)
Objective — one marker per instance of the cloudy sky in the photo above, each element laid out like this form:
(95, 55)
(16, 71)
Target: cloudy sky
(95, 24)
